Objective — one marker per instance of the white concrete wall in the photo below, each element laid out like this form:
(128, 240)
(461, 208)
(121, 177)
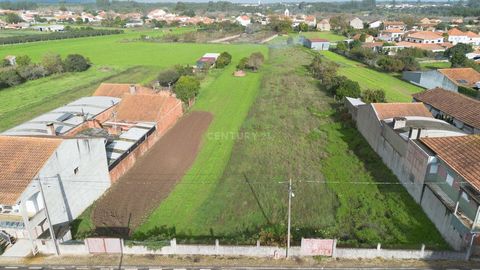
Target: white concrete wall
(73, 178)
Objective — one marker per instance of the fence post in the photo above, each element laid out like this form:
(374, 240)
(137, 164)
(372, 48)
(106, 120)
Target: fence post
(258, 243)
(173, 245)
(217, 246)
(334, 249)
(422, 252)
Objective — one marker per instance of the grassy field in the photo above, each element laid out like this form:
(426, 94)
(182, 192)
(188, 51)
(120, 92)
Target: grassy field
(434, 65)
(245, 201)
(396, 90)
(326, 35)
(13, 33)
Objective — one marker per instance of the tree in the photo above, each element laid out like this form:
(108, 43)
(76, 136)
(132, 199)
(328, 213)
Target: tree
(242, 64)
(52, 63)
(76, 63)
(184, 70)
(223, 60)
(303, 27)
(255, 61)
(168, 77)
(32, 72)
(23, 60)
(187, 88)
(409, 63)
(281, 26)
(348, 88)
(9, 77)
(324, 72)
(13, 18)
(390, 64)
(457, 54)
(374, 96)
(180, 6)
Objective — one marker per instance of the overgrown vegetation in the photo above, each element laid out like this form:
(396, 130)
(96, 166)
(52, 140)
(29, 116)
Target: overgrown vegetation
(73, 33)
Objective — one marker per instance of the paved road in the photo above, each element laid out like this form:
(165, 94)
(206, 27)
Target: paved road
(202, 268)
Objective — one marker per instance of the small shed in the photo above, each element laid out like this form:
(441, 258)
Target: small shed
(318, 44)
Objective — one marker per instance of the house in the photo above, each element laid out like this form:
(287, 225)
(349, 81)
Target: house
(157, 14)
(461, 111)
(368, 38)
(49, 28)
(59, 175)
(424, 37)
(400, 133)
(323, 25)
(356, 23)
(462, 77)
(243, 20)
(311, 21)
(437, 47)
(390, 25)
(207, 59)
(375, 24)
(134, 23)
(474, 38)
(456, 36)
(391, 35)
(318, 44)
(447, 78)
(374, 46)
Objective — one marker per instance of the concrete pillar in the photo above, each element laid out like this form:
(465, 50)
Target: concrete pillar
(258, 243)
(334, 250)
(422, 251)
(217, 246)
(379, 246)
(28, 227)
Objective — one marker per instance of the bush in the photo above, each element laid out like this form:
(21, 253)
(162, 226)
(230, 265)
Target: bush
(186, 88)
(52, 63)
(243, 63)
(168, 77)
(184, 70)
(32, 72)
(390, 64)
(23, 60)
(9, 77)
(83, 32)
(348, 88)
(255, 61)
(76, 63)
(374, 96)
(223, 60)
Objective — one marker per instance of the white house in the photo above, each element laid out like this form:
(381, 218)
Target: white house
(243, 20)
(375, 24)
(59, 175)
(356, 23)
(391, 35)
(425, 37)
(474, 38)
(456, 36)
(318, 44)
(323, 25)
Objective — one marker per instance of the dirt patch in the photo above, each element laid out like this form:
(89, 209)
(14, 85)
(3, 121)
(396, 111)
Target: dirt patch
(152, 178)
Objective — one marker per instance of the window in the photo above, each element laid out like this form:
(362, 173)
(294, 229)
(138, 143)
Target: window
(75, 171)
(465, 196)
(434, 168)
(449, 180)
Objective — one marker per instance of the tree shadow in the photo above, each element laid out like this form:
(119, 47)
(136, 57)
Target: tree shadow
(257, 199)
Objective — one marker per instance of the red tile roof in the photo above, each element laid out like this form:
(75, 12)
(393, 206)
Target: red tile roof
(426, 35)
(146, 107)
(318, 40)
(461, 107)
(455, 32)
(119, 89)
(21, 158)
(391, 110)
(461, 153)
(461, 76)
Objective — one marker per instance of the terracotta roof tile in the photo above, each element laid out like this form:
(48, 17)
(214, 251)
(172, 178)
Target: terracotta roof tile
(425, 35)
(147, 107)
(119, 89)
(461, 76)
(454, 104)
(21, 158)
(390, 110)
(456, 32)
(461, 153)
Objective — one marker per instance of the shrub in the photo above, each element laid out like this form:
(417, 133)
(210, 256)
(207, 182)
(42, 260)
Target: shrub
(348, 88)
(374, 96)
(255, 61)
(32, 72)
(83, 32)
(184, 70)
(9, 77)
(186, 88)
(76, 63)
(168, 77)
(243, 63)
(223, 60)
(23, 60)
(52, 63)
(390, 64)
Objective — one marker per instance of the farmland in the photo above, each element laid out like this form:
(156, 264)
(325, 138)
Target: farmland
(396, 90)
(247, 201)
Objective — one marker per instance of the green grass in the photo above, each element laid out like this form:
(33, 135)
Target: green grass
(435, 65)
(332, 37)
(292, 131)
(13, 33)
(228, 98)
(396, 90)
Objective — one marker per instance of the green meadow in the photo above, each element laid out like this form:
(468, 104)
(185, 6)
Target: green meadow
(396, 90)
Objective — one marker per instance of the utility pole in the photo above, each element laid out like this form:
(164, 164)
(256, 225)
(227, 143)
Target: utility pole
(290, 194)
(52, 232)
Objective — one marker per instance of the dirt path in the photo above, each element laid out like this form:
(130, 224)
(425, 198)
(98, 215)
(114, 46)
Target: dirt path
(152, 178)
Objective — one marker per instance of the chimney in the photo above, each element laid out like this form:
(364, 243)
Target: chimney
(399, 122)
(51, 129)
(133, 89)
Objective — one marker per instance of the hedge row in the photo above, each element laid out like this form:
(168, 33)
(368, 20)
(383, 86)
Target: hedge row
(58, 35)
